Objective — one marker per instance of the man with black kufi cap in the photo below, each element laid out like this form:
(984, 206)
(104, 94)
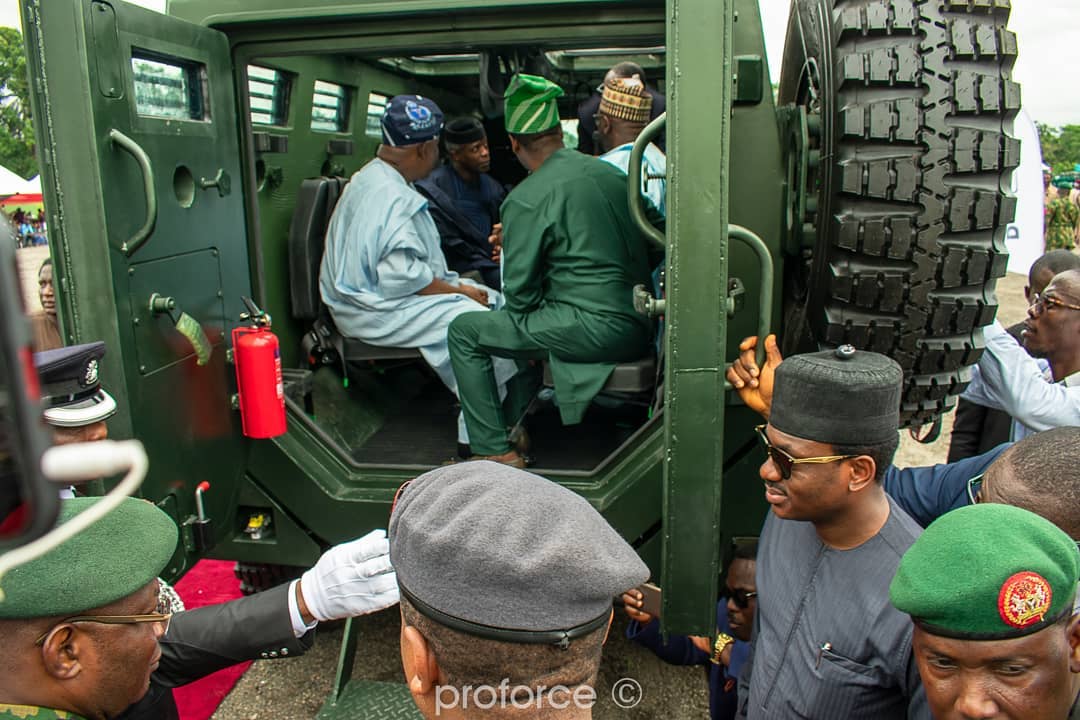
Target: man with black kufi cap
(506, 584)
(464, 201)
(827, 642)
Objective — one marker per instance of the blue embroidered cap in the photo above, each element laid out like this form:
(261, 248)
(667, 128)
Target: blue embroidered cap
(410, 120)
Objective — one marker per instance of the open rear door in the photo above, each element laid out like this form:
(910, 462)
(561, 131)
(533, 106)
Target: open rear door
(136, 121)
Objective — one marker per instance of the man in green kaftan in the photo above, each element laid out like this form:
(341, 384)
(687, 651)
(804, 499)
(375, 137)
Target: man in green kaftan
(571, 257)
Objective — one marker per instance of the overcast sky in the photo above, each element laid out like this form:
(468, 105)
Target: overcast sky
(1048, 30)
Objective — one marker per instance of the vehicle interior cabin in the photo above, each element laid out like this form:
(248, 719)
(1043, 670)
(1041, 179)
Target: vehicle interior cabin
(312, 121)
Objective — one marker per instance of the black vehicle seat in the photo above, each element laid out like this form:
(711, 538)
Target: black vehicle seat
(632, 378)
(307, 237)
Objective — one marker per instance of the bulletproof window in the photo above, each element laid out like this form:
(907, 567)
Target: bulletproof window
(268, 95)
(376, 105)
(169, 87)
(330, 107)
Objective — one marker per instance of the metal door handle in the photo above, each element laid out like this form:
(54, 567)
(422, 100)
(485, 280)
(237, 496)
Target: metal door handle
(142, 234)
(633, 180)
(765, 294)
(221, 181)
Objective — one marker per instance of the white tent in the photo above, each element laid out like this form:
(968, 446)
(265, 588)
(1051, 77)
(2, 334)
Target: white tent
(10, 183)
(31, 186)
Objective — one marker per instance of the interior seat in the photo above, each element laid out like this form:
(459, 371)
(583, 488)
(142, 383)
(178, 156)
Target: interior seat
(307, 237)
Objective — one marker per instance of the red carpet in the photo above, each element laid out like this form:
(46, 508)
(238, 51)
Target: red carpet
(209, 582)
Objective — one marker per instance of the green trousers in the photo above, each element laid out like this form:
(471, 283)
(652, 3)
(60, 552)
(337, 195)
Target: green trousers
(473, 339)
(582, 348)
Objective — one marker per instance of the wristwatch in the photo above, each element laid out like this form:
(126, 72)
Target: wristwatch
(722, 641)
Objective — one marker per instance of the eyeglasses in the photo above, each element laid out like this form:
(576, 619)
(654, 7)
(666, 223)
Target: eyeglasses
(160, 615)
(1041, 303)
(741, 598)
(974, 487)
(162, 618)
(785, 462)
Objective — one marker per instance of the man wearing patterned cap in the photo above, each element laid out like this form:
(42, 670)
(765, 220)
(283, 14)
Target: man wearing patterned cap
(571, 258)
(383, 276)
(503, 618)
(827, 643)
(587, 110)
(992, 591)
(464, 201)
(624, 112)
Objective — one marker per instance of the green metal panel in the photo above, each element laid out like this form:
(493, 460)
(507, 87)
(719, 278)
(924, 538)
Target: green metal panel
(224, 12)
(95, 195)
(698, 128)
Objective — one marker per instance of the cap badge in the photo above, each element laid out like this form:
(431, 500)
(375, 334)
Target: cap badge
(419, 114)
(90, 374)
(1024, 599)
(845, 352)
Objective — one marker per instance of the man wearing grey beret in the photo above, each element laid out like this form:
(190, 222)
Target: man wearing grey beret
(506, 584)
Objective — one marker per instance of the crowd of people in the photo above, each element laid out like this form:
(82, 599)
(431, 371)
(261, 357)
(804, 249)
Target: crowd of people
(30, 229)
(873, 591)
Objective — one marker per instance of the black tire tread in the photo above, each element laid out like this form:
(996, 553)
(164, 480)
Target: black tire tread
(915, 240)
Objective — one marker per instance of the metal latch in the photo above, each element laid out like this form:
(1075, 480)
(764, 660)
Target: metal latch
(736, 296)
(201, 527)
(646, 304)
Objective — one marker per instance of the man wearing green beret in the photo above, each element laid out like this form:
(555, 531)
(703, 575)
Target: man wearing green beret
(46, 602)
(827, 643)
(80, 625)
(991, 590)
(571, 258)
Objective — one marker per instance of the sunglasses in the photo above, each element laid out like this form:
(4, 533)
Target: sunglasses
(785, 462)
(741, 598)
(1041, 303)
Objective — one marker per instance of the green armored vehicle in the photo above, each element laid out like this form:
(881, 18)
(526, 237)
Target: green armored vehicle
(193, 159)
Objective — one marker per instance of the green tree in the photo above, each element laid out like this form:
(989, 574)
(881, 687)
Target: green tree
(16, 128)
(1060, 146)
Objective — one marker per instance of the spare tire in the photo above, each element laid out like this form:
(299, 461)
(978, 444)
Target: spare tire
(908, 101)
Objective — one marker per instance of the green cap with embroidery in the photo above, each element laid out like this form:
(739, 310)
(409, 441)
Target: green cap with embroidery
(113, 558)
(531, 105)
(988, 572)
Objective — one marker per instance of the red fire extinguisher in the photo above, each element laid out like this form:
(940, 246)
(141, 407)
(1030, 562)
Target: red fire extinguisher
(257, 356)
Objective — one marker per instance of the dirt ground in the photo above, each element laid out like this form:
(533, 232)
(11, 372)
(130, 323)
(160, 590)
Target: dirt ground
(295, 689)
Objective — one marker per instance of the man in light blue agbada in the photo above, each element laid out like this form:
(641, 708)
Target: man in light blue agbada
(383, 276)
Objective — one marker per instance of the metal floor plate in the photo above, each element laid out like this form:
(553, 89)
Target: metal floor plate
(366, 700)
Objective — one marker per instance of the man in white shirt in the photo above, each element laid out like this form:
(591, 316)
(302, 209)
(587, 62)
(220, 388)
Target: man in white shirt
(1038, 398)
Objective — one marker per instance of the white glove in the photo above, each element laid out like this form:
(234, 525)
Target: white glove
(354, 578)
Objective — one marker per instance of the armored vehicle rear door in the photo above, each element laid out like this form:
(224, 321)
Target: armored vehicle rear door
(135, 114)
